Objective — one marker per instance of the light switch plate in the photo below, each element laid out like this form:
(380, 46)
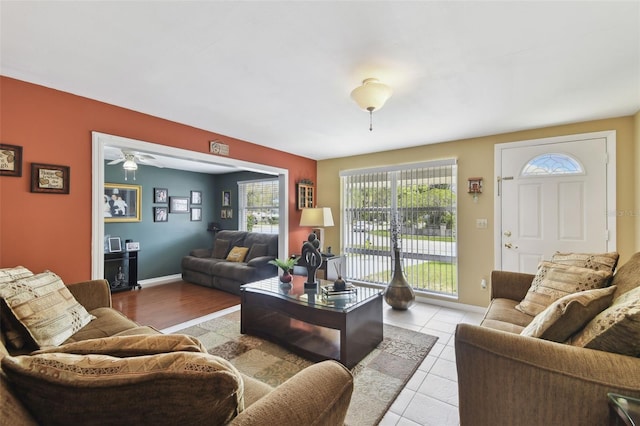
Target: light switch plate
(481, 223)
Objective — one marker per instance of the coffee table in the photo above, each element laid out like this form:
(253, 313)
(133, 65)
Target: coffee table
(307, 322)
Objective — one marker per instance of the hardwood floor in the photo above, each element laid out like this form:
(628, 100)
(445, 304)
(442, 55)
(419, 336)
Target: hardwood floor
(166, 305)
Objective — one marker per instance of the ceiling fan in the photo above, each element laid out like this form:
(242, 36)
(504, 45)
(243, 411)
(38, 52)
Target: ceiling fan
(131, 159)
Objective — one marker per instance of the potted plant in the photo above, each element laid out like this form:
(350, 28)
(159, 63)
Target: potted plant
(286, 266)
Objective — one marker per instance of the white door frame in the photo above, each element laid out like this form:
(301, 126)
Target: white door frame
(609, 136)
(99, 140)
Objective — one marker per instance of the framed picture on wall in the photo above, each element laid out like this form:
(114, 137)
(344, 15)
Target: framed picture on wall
(160, 214)
(10, 160)
(49, 178)
(160, 195)
(196, 214)
(196, 197)
(178, 204)
(226, 198)
(122, 202)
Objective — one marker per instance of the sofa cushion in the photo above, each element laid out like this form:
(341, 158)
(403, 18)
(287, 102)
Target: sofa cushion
(502, 315)
(256, 250)
(627, 277)
(46, 308)
(569, 314)
(553, 281)
(163, 389)
(616, 329)
(237, 254)
(595, 261)
(220, 248)
(107, 322)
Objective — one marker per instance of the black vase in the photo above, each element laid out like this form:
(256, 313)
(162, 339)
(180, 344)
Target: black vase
(399, 294)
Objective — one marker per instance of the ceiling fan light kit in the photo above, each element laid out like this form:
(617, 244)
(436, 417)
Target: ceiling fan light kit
(371, 96)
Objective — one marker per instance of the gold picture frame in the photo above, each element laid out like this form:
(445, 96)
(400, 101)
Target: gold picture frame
(122, 202)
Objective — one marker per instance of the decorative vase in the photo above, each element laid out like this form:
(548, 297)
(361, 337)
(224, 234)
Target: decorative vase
(399, 294)
(286, 277)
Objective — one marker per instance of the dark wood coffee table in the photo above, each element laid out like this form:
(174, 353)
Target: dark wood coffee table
(306, 322)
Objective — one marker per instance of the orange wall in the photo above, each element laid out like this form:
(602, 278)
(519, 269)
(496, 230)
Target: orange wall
(51, 231)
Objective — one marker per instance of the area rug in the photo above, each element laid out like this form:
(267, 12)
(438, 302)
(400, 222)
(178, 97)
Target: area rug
(378, 378)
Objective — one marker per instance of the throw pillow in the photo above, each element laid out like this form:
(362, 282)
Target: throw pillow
(164, 389)
(134, 345)
(12, 274)
(627, 277)
(237, 254)
(595, 261)
(553, 281)
(257, 250)
(45, 307)
(617, 329)
(220, 248)
(12, 332)
(569, 314)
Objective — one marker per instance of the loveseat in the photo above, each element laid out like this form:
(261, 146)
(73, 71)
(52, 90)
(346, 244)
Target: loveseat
(114, 371)
(508, 377)
(237, 258)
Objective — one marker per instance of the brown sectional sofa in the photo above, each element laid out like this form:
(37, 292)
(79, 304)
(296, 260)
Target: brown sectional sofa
(505, 378)
(319, 395)
(210, 267)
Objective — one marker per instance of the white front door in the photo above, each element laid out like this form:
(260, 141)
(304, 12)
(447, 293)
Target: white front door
(553, 195)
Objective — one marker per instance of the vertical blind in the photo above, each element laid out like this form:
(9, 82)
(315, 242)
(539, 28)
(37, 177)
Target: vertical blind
(258, 206)
(423, 198)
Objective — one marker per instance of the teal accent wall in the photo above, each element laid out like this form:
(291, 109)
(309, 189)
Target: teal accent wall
(229, 182)
(163, 244)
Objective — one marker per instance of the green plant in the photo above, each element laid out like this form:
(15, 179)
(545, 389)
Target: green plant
(286, 265)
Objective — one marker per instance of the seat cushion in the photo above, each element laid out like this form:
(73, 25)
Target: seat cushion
(553, 281)
(502, 315)
(108, 322)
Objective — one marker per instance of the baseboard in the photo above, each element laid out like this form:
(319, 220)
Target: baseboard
(151, 282)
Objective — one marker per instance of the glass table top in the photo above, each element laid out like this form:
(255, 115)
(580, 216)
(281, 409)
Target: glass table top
(316, 296)
(629, 406)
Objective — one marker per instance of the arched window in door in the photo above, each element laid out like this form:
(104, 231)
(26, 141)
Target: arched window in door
(552, 165)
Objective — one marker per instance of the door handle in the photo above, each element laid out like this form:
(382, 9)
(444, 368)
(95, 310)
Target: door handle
(507, 234)
(509, 245)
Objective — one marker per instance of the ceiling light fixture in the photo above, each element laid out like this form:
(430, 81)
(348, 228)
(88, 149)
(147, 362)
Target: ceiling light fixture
(129, 165)
(371, 96)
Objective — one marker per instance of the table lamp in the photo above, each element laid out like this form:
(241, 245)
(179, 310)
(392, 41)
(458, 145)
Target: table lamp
(317, 218)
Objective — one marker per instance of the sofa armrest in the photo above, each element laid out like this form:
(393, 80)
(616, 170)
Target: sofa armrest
(505, 378)
(319, 395)
(260, 261)
(510, 285)
(201, 252)
(92, 294)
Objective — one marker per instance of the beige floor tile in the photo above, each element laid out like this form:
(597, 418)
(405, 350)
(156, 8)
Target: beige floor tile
(439, 388)
(446, 369)
(427, 411)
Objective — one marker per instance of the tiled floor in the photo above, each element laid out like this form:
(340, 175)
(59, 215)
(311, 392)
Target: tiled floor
(431, 396)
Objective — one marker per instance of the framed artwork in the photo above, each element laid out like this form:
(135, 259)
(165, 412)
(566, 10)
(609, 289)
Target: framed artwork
(160, 214)
(226, 214)
(49, 178)
(115, 245)
(178, 204)
(10, 160)
(196, 214)
(226, 198)
(160, 195)
(122, 202)
(196, 197)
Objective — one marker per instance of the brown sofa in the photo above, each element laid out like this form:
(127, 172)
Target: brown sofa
(505, 378)
(318, 395)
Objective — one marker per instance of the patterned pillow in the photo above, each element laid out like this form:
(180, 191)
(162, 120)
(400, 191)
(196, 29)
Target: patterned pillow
(12, 274)
(11, 329)
(237, 254)
(617, 329)
(595, 261)
(220, 248)
(569, 314)
(45, 307)
(168, 388)
(553, 281)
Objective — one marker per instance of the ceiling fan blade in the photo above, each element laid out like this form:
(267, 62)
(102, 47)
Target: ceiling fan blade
(145, 157)
(119, 160)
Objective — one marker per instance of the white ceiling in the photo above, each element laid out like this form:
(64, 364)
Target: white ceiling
(279, 73)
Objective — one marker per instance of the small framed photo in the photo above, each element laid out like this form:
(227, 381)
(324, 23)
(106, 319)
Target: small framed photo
(178, 204)
(160, 195)
(49, 178)
(196, 197)
(122, 202)
(115, 245)
(226, 198)
(196, 214)
(10, 160)
(226, 214)
(160, 214)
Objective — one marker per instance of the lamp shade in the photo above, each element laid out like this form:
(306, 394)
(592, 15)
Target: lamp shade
(372, 95)
(130, 165)
(319, 216)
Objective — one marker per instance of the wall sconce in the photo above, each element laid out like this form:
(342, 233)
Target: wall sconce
(475, 187)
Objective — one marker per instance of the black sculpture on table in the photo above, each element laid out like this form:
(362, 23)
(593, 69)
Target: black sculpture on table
(313, 258)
